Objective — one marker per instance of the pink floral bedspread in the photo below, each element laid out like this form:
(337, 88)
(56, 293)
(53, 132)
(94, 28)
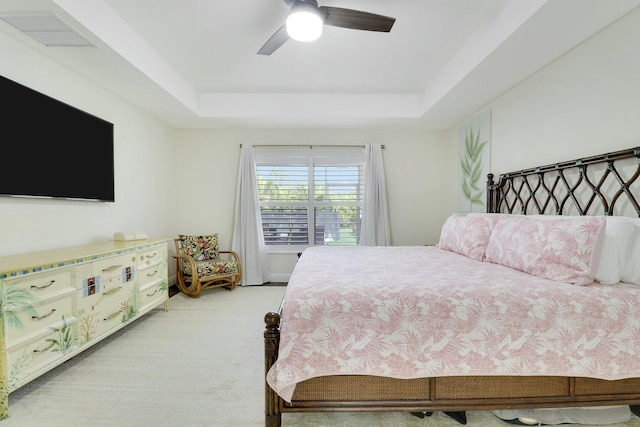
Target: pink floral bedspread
(408, 312)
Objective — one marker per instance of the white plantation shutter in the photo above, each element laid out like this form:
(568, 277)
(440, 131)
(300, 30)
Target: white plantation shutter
(338, 193)
(283, 192)
(310, 196)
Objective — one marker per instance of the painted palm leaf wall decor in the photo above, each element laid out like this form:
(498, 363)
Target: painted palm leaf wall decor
(472, 165)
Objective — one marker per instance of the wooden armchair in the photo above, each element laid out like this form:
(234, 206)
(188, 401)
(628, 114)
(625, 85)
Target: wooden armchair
(201, 265)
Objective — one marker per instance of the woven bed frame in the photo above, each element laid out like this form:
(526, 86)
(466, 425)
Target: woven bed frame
(595, 185)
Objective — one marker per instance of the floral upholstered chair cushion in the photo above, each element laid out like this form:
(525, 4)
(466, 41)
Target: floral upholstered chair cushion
(218, 267)
(201, 248)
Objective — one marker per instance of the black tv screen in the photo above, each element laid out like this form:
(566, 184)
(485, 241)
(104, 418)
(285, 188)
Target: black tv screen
(51, 149)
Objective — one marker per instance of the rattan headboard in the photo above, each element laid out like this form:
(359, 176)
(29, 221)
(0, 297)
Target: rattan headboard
(606, 184)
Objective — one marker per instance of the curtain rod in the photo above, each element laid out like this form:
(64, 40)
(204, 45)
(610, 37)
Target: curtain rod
(313, 145)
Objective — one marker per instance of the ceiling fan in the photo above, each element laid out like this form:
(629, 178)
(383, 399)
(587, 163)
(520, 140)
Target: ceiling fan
(314, 17)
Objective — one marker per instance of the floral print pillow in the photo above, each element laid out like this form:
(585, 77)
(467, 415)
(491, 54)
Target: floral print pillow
(201, 248)
(466, 235)
(564, 250)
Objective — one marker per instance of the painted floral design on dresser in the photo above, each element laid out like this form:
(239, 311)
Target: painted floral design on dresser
(129, 307)
(163, 286)
(12, 300)
(65, 340)
(18, 365)
(88, 326)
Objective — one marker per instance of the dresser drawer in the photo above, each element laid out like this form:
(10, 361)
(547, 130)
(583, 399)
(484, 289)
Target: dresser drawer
(152, 294)
(118, 266)
(44, 285)
(152, 256)
(39, 317)
(152, 273)
(31, 356)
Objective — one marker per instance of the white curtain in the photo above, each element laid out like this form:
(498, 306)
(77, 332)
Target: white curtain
(248, 240)
(375, 229)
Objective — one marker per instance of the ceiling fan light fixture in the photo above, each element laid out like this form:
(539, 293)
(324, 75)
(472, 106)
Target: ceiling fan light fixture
(304, 23)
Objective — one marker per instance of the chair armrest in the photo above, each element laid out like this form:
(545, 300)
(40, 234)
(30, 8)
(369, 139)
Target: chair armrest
(235, 256)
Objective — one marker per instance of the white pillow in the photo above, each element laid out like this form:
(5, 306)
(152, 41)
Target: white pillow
(631, 265)
(619, 233)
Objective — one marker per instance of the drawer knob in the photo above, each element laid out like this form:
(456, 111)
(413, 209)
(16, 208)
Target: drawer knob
(111, 268)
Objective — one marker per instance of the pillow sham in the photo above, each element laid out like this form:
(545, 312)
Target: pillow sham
(467, 235)
(617, 260)
(615, 243)
(563, 250)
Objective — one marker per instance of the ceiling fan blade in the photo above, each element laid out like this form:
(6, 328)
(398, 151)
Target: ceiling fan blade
(275, 41)
(355, 19)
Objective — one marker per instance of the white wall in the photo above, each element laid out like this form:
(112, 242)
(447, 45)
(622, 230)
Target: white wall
(585, 103)
(144, 167)
(420, 169)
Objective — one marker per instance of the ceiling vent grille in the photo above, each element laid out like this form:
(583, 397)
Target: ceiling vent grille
(47, 29)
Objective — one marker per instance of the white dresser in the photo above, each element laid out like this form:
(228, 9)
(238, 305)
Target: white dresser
(58, 303)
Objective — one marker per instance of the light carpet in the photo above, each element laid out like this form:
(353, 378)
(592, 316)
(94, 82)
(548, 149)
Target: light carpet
(199, 364)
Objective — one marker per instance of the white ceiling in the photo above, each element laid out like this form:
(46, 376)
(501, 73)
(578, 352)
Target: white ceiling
(193, 63)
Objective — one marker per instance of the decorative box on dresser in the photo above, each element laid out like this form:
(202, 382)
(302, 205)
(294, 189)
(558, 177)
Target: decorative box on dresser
(57, 303)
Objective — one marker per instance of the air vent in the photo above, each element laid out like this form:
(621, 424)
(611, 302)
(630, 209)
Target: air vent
(47, 29)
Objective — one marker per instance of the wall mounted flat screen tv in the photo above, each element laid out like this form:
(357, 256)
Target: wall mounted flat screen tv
(53, 150)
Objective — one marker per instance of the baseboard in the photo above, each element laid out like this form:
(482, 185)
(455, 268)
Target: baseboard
(280, 278)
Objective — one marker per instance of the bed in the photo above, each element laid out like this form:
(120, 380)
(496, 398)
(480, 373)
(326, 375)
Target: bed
(359, 329)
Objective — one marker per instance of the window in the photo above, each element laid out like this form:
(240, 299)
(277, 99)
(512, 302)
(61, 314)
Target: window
(310, 196)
